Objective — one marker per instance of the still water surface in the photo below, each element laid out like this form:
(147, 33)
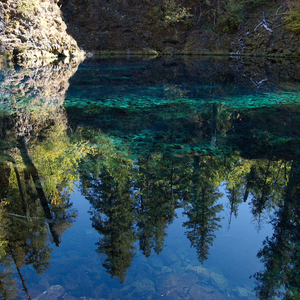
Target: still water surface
(135, 178)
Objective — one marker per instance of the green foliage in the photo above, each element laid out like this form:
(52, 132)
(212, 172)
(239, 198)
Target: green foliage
(155, 16)
(57, 160)
(280, 253)
(169, 13)
(252, 4)
(174, 13)
(2, 239)
(292, 18)
(8, 288)
(232, 16)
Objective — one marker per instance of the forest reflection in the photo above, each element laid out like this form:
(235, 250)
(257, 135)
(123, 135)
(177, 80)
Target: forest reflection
(136, 165)
(135, 179)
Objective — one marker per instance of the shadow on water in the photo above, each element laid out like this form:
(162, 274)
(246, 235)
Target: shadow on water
(144, 140)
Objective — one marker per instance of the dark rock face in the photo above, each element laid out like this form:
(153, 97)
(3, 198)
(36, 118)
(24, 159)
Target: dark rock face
(135, 26)
(108, 25)
(34, 29)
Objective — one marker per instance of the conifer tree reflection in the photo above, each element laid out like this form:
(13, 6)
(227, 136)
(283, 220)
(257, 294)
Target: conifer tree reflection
(26, 240)
(237, 170)
(5, 171)
(25, 200)
(265, 183)
(201, 208)
(155, 201)
(235, 197)
(8, 289)
(33, 198)
(281, 252)
(113, 218)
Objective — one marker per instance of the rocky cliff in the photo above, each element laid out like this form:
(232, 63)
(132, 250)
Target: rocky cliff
(134, 26)
(34, 29)
(37, 28)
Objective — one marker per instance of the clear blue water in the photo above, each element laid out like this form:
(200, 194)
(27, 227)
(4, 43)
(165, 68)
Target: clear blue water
(146, 179)
(77, 267)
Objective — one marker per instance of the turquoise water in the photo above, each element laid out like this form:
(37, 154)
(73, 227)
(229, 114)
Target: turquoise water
(138, 178)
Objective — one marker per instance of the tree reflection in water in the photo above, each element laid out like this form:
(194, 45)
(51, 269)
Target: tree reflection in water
(154, 175)
(34, 151)
(281, 252)
(30, 207)
(136, 167)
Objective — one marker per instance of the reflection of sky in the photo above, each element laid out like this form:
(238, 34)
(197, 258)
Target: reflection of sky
(82, 234)
(234, 249)
(233, 253)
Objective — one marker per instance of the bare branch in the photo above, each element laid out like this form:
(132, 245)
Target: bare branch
(264, 24)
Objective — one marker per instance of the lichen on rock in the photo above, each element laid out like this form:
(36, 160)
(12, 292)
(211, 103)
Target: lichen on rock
(33, 30)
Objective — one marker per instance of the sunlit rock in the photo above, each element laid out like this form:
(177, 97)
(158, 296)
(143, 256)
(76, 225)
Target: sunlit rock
(33, 30)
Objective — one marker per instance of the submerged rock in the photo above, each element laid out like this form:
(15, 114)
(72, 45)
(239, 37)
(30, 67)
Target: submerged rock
(68, 297)
(202, 292)
(101, 291)
(219, 281)
(141, 288)
(144, 283)
(243, 293)
(201, 271)
(156, 261)
(53, 293)
(208, 277)
(166, 269)
(175, 284)
(169, 256)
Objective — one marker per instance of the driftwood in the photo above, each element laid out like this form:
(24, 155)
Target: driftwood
(284, 13)
(264, 24)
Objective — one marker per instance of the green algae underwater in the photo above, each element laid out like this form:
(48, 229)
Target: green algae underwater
(137, 178)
